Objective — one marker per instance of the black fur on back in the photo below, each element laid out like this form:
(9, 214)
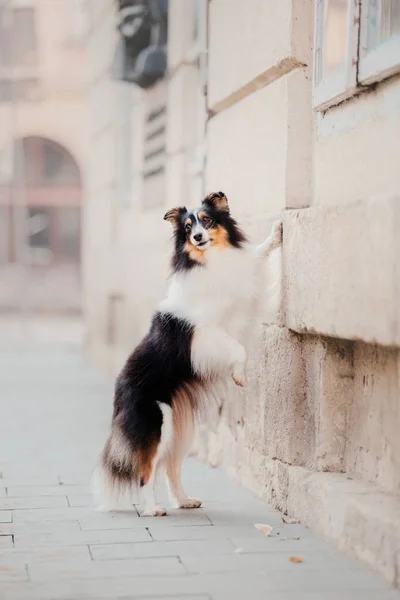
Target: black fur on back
(152, 374)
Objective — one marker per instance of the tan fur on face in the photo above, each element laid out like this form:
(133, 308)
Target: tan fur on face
(195, 253)
(219, 238)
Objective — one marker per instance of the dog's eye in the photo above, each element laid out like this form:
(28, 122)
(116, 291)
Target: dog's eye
(205, 220)
(188, 227)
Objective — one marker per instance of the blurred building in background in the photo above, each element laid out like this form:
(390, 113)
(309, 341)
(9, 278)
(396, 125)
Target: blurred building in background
(43, 147)
(295, 117)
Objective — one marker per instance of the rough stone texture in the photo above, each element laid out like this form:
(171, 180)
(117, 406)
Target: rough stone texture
(330, 386)
(345, 274)
(373, 446)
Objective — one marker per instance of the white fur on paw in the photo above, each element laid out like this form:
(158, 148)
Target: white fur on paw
(157, 511)
(190, 503)
(276, 233)
(239, 375)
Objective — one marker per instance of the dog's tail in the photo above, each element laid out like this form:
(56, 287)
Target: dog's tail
(117, 473)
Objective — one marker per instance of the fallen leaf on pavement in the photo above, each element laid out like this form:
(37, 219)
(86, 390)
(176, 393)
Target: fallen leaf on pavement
(296, 559)
(264, 528)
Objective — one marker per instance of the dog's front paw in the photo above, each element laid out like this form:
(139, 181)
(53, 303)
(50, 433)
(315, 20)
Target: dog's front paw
(239, 375)
(276, 234)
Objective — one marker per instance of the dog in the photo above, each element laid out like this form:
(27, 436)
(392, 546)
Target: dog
(196, 341)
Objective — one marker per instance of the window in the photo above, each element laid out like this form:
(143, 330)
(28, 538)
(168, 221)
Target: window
(18, 43)
(53, 234)
(58, 166)
(39, 235)
(357, 42)
(69, 219)
(154, 156)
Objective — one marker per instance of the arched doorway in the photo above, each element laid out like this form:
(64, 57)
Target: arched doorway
(51, 192)
(44, 203)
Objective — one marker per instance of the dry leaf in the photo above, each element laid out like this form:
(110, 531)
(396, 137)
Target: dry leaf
(289, 521)
(264, 528)
(296, 559)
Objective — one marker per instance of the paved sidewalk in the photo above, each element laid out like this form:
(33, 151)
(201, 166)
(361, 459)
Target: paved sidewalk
(55, 412)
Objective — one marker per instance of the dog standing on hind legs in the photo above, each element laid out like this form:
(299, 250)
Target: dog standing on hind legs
(196, 342)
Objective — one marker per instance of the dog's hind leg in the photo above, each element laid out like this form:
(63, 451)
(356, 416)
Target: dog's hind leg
(183, 424)
(149, 462)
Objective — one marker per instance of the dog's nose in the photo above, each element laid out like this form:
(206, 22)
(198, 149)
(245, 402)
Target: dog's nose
(198, 237)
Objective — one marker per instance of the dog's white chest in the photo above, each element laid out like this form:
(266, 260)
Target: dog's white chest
(221, 291)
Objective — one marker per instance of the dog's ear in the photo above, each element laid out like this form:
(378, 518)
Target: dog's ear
(217, 200)
(174, 215)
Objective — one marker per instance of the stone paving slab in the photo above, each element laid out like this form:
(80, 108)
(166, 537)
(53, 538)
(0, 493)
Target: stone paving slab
(34, 502)
(22, 491)
(5, 516)
(54, 546)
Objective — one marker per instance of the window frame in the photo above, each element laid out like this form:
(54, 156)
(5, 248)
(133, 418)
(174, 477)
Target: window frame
(342, 83)
(378, 63)
(361, 68)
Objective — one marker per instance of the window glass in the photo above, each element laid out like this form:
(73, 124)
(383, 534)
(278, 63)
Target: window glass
(334, 37)
(383, 21)
(69, 231)
(18, 43)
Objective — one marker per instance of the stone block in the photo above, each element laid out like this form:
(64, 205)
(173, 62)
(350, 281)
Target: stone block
(177, 181)
(6, 542)
(183, 105)
(268, 562)
(76, 537)
(102, 43)
(261, 35)
(181, 24)
(289, 416)
(110, 568)
(22, 491)
(330, 387)
(373, 441)
(34, 502)
(12, 570)
(341, 268)
(168, 548)
(356, 517)
(51, 514)
(355, 148)
(235, 137)
(80, 500)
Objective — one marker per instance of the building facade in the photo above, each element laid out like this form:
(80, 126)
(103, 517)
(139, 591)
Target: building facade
(293, 110)
(43, 149)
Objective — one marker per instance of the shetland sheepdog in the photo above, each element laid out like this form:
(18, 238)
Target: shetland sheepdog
(196, 341)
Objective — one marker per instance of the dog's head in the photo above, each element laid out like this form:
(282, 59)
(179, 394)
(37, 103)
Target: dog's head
(198, 230)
